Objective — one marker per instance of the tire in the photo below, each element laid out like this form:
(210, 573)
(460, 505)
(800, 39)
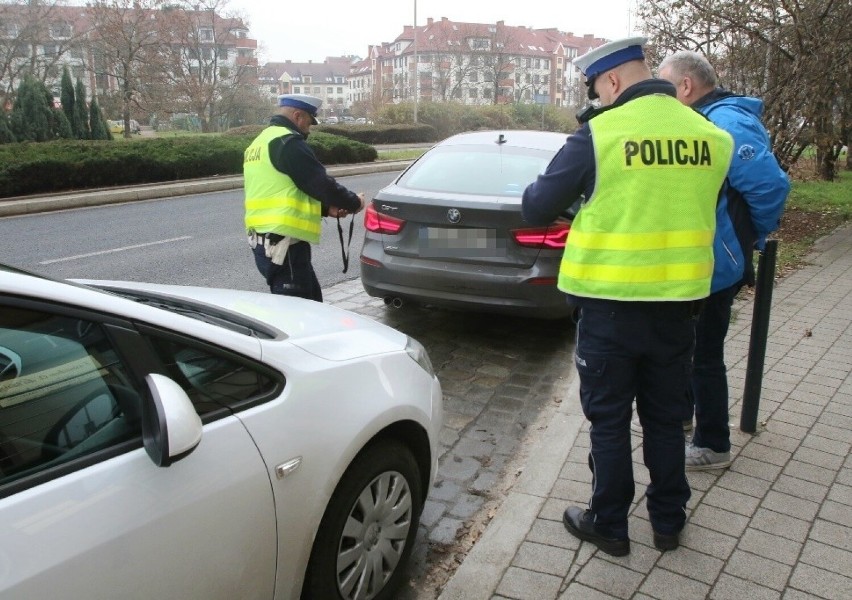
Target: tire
(368, 527)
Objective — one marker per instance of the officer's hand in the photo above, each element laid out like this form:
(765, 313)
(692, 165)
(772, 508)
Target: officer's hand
(363, 202)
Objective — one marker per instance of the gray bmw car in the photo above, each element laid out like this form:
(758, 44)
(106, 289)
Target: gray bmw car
(448, 231)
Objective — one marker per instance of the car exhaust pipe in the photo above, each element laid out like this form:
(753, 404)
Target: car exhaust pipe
(394, 301)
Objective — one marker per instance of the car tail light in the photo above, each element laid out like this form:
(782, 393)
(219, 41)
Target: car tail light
(542, 237)
(379, 223)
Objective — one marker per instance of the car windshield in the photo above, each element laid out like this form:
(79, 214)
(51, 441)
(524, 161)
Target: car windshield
(476, 169)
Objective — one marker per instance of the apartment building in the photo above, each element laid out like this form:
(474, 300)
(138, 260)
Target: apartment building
(477, 63)
(327, 80)
(471, 63)
(43, 39)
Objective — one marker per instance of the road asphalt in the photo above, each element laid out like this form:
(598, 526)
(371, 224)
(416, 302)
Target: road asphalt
(776, 524)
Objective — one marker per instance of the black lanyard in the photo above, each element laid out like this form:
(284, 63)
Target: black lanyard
(344, 251)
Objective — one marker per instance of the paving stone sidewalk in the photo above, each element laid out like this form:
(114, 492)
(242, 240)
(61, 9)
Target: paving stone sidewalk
(776, 525)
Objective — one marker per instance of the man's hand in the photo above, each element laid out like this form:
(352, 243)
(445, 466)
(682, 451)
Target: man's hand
(340, 213)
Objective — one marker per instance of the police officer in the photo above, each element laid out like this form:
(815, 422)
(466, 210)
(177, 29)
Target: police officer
(287, 192)
(637, 264)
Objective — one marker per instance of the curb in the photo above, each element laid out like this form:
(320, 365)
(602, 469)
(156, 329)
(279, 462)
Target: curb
(482, 569)
(28, 205)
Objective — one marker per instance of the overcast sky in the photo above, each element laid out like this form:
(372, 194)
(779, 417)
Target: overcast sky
(302, 31)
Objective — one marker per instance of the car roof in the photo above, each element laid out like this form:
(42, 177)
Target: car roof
(544, 140)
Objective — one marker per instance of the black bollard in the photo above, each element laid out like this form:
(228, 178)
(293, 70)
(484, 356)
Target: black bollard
(764, 281)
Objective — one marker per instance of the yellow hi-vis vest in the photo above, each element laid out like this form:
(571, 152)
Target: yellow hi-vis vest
(646, 234)
(273, 203)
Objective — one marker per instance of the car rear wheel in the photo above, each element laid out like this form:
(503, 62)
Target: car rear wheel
(368, 528)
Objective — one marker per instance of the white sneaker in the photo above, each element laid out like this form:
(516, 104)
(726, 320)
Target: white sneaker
(704, 459)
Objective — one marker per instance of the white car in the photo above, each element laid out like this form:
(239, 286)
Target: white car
(177, 442)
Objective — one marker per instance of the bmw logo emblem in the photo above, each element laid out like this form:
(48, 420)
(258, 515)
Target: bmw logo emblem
(453, 215)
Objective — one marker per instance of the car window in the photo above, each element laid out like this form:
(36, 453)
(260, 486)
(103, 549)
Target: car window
(212, 378)
(476, 170)
(64, 392)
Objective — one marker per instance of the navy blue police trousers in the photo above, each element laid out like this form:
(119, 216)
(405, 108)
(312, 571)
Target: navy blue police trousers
(638, 351)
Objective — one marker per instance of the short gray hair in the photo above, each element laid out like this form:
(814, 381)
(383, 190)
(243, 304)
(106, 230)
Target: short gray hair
(692, 64)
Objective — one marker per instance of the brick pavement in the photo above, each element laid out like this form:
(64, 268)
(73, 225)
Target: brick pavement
(776, 525)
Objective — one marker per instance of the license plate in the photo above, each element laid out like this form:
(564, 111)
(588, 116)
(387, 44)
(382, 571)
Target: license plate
(457, 242)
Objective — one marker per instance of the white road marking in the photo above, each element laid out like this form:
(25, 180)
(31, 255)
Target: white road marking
(122, 249)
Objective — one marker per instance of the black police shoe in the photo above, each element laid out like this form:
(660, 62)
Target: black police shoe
(580, 524)
(663, 541)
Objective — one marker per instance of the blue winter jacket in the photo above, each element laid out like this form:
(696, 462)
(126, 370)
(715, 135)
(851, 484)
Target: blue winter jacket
(756, 190)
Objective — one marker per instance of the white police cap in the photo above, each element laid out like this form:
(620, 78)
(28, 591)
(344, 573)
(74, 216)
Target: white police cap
(610, 55)
(309, 104)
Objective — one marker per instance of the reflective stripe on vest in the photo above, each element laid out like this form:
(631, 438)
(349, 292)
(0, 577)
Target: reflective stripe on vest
(273, 203)
(647, 231)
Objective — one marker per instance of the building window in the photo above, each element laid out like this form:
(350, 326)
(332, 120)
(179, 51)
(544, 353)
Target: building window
(50, 49)
(340, 90)
(316, 91)
(474, 93)
(486, 93)
(205, 34)
(297, 90)
(329, 91)
(60, 30)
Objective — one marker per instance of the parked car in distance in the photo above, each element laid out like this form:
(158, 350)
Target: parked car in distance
(184, 442)
(449, 231)
(118, 126)
(361, 121)
(331, 121)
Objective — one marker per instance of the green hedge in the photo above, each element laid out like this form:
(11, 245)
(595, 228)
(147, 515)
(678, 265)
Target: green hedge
(38, 168)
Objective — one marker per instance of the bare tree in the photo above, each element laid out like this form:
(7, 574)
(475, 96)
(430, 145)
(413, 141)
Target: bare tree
(201, 73)
(795, 54)
(34, 37)
(126, 41)
(498, 63)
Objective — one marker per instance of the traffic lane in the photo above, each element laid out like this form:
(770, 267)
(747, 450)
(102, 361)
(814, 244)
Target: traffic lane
(190, 240)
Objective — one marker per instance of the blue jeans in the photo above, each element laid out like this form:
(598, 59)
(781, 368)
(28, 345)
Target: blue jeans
(640, 350)
(296, 277)
(709, 387)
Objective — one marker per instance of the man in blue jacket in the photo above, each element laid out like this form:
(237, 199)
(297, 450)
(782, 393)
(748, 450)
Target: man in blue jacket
(756, 190)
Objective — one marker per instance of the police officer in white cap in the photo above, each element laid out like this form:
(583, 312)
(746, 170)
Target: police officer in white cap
(637, 263)
(287, 192)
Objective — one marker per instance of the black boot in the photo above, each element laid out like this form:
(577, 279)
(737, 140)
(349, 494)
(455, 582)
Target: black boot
(663, 541)
(580, 524)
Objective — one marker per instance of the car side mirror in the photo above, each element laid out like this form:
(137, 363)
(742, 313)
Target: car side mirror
(171, 428)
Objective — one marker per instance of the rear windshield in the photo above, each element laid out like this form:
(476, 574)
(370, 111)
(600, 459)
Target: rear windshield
(488, 170)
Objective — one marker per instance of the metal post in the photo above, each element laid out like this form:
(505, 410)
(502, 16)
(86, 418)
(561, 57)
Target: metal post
(759, 332)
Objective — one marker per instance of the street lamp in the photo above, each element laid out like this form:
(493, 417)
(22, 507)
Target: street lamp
(416, 67)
